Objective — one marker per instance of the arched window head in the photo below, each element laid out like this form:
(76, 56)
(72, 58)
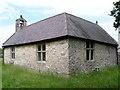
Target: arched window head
(21, 23)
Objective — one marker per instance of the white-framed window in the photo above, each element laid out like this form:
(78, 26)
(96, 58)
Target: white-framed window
(89, 50)
(13, 53)
(41, 52)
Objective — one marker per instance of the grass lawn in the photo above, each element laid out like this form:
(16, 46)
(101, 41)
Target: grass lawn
(17, 77)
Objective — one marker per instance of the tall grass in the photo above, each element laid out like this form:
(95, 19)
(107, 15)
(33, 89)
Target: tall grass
(0, 73)
(17, 77)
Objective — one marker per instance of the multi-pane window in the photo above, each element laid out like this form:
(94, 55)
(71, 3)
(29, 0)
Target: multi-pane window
(13, 53)
(41, 52)
(89, 50)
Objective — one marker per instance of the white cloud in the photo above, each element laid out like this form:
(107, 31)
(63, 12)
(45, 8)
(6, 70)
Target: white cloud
(95, 8)
(79, 7)
(108, 26)
(6, 11)
(6, 32)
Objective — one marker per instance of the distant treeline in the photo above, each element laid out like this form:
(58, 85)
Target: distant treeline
(1, 53)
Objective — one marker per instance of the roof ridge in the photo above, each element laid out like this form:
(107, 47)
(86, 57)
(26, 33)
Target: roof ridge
(82, 18)
(46, 19)
(65, 13)
(66, 26)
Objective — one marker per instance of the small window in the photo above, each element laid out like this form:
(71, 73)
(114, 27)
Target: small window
(13, 53)
(89, 50)
(41, 52)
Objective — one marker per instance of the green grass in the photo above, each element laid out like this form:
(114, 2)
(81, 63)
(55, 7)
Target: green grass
(1, 59)
(17, 77)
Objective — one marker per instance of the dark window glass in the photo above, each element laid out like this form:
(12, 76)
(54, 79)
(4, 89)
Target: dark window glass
(42, 52)
(39, 56)
(92, 54)
(87, 54)
(13, 49)
(43, 47)
(89, 50)
(91, 45)
(39, 47)
(87, 44)
(13, 53)
(44, 56)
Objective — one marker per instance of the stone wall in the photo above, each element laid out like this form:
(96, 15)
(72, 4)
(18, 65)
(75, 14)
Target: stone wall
(7, 55)
(104, 55)
(118, 49)
(76, 56)
(56, 57)
(66, 56)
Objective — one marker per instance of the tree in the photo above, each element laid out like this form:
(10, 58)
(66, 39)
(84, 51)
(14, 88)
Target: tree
(116, 14)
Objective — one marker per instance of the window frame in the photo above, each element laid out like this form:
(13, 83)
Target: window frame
(89, 47)
(42, 52)
(12, 52)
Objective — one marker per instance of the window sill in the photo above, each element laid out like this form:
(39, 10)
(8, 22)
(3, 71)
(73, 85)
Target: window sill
(41, 61)
(12, 58)
(89, 60)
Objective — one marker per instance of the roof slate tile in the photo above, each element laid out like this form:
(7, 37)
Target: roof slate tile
(57, 26)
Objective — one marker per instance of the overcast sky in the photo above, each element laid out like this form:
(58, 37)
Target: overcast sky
(36, 10)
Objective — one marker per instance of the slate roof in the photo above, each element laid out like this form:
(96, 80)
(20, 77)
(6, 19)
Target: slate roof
(57, 26)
